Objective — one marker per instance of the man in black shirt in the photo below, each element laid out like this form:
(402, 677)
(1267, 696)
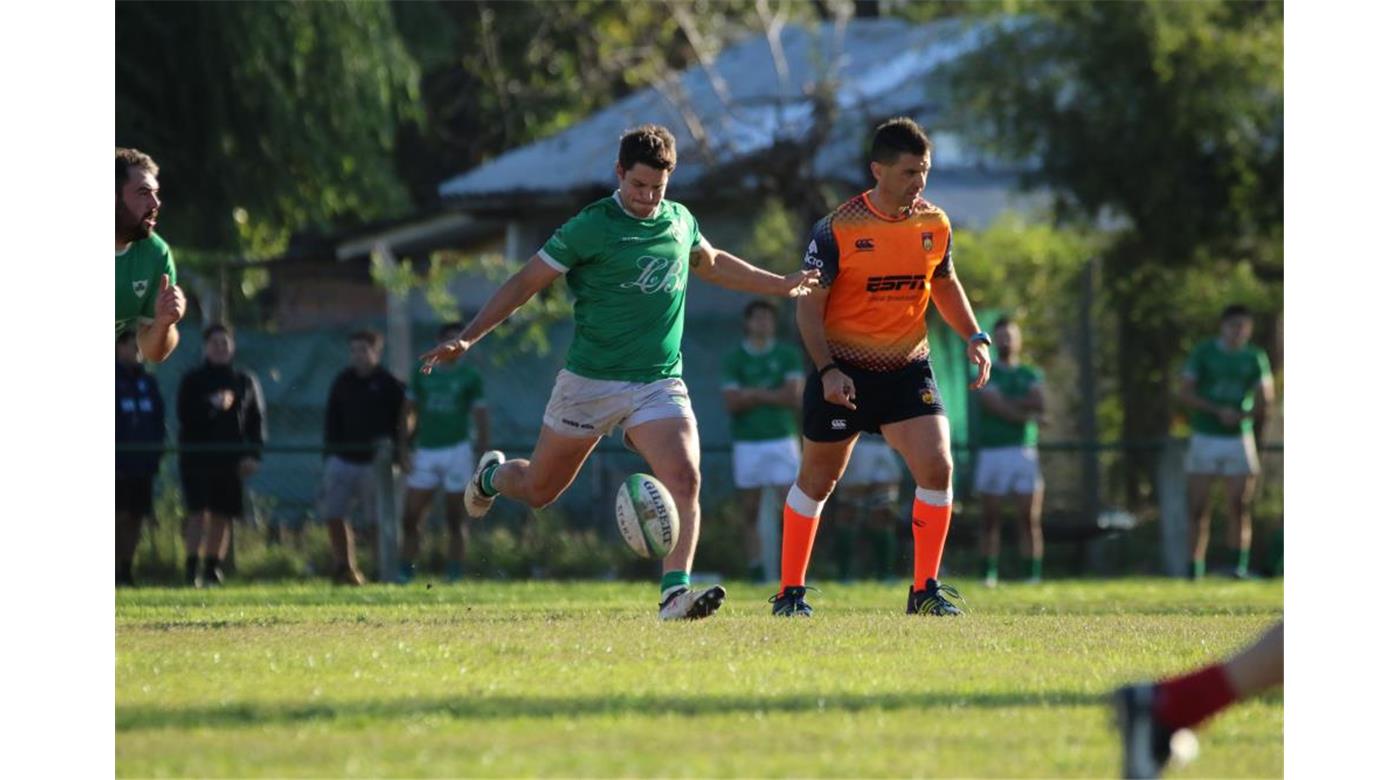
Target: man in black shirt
(140, 420)
(364, 408)
(221, 440)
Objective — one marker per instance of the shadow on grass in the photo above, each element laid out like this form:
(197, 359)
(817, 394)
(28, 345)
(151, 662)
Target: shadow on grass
(504, 708)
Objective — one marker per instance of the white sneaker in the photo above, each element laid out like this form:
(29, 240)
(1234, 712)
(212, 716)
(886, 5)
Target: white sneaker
(477, 501)
(682, 603)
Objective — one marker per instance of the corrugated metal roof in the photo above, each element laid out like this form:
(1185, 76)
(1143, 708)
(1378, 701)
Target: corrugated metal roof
(881, 67)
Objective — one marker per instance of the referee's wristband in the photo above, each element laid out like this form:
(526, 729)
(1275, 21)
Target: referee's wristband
(980, 336)
(829, 367)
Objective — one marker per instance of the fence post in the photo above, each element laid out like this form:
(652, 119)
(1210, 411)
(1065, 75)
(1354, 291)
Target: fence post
(1171, 503)
(386, 510)
(1095, 554)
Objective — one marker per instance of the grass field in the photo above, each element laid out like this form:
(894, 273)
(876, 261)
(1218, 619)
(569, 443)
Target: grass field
(501, 679)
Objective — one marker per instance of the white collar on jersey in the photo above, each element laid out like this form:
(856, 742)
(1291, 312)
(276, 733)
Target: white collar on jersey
(617, 198)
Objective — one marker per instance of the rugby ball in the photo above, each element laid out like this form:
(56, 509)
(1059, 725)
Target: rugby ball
(646, 516)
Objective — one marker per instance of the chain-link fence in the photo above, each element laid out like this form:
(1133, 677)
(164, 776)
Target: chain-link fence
(1087, 526)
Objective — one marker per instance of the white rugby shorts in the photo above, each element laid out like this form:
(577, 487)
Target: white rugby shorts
(1007, 470)
(449, 468)
(762, 463)
(586, 408)
(1222, 456)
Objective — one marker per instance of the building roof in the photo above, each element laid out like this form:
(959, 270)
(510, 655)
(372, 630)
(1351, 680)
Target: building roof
(748, 100)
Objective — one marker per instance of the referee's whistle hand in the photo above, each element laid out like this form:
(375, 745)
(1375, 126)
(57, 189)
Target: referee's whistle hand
(838, 389)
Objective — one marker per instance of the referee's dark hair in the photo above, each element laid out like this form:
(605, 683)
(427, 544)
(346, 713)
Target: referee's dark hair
(759, 304)
(900, 135)
(1236, 310)
(217, 328)
(1003, 321)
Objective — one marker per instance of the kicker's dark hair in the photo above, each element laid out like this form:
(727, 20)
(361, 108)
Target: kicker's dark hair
(900, 135)
(217, 328)
(652, 145)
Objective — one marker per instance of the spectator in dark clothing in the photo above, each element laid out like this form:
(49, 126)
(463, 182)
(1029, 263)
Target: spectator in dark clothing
(221, 440)
(365, 407)
(140, 421)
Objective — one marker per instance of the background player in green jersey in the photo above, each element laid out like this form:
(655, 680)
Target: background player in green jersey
(762, 392)
(1012, 401)
(1228, 385)
(627, 259)
(440, 410)
(147, 297)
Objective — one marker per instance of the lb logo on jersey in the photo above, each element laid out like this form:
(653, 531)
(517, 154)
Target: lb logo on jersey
(928, 242)
(139, 287)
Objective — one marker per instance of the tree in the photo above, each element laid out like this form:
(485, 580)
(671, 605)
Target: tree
(264, 117)
(1164, 119)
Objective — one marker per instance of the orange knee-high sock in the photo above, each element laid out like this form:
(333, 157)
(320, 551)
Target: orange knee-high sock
(933, 513)
(800, 517)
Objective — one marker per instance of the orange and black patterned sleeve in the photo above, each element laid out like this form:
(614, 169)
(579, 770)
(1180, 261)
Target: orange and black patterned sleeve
(823, 255)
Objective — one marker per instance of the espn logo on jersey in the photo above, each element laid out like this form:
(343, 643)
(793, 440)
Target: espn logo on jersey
(894, 283)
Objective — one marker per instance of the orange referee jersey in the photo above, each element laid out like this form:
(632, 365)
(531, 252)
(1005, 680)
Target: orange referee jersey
(878, 269)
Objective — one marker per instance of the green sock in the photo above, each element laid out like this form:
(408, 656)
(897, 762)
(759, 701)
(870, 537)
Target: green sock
(989, 567)
(845, 551)
(487, 473)
(1033, 567)
(1198, 568)
(1243, 565)
(673, 578)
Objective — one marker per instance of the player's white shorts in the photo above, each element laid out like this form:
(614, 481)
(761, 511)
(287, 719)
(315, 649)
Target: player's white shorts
(1223, 456)
(1007, 470)
(585, 407)
(872, 462)
(449, 468)
(761, 463)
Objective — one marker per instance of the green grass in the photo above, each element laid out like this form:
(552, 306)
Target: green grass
(499, 679)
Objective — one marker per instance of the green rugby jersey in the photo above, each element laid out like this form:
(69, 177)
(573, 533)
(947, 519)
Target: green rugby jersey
(139, 269)
(1228, 379)
(444, 400)
(766, 370)
(1012, 383)
(628, 276)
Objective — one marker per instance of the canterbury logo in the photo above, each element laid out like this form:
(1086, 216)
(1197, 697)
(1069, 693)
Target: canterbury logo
(865, 244)
(888, 283)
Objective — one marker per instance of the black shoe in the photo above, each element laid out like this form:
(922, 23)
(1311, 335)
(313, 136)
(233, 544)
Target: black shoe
(192, 571)
(213, 573)
(1147, 744)
(125, 578)
(932, 599)
(791, 602)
